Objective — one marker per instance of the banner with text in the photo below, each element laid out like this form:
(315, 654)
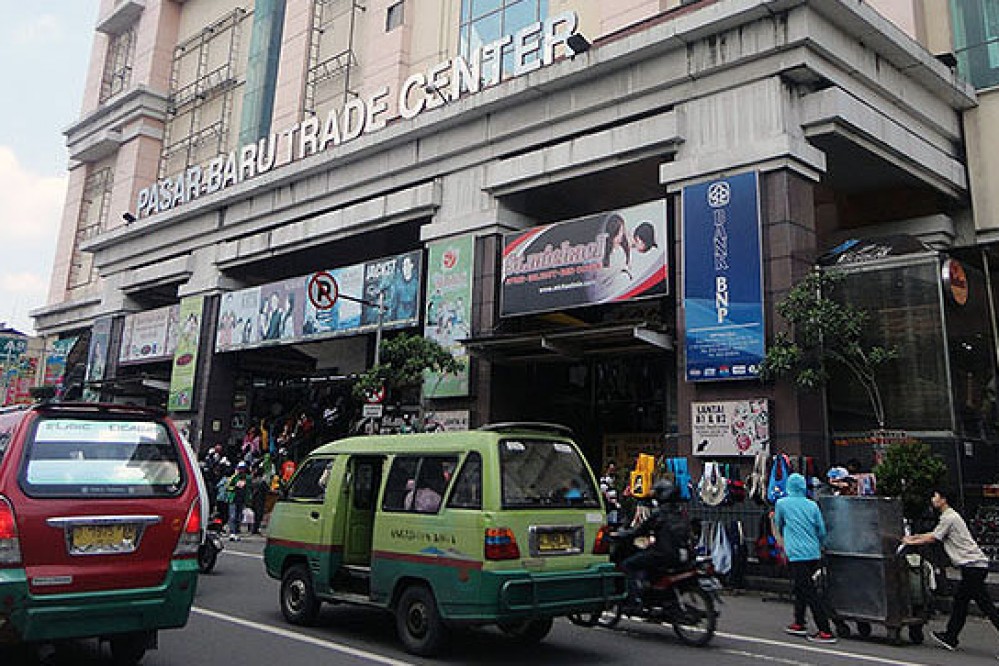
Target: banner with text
(611, 257)
(723, 279)
(149, 336)
(730, 428)
(450, 270)
(185, 357)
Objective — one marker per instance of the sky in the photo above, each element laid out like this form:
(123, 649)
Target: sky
(44, 53)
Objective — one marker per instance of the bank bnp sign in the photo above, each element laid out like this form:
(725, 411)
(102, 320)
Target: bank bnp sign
(533, 47)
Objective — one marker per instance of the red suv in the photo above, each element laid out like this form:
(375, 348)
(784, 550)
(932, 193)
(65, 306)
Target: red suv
(100, 521)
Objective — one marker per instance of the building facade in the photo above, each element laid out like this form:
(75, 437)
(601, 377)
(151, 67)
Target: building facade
(250, 180)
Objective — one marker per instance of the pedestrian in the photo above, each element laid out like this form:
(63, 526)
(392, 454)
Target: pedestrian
(798, 522)
(237, 492)
(259, 487)
(952, 532)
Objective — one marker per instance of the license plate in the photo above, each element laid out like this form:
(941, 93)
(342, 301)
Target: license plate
(103, 539)
(554, 541)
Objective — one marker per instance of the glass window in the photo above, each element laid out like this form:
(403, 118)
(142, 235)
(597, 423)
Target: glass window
(403, 471)
(485, 21)
(76, 457)
(309, 484)
(467, 493)
(418, 483)
(365, 473)
(118, 64)
(395, 16)
(540, 473)
(976, 40)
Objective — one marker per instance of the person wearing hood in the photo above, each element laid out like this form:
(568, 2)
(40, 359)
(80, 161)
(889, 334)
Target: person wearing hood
(799, 523)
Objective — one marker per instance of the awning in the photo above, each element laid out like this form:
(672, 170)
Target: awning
(570, 344)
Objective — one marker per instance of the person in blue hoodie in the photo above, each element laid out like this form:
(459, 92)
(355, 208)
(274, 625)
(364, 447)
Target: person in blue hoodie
(799, 523)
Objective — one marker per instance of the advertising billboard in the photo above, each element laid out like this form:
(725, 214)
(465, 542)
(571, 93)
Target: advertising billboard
(730, 428)
(723, 279)
(450, 270)
(185, 357)
(611, 257)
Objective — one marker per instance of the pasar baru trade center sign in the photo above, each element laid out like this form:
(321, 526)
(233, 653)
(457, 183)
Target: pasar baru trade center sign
(532, 47)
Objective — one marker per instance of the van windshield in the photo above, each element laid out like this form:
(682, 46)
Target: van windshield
(74, 457)
(542, 473)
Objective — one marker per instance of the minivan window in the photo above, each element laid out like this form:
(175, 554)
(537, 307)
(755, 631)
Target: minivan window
(541, 473)
(418, 483)
(310, 482)
(467, 493)
(73, 457)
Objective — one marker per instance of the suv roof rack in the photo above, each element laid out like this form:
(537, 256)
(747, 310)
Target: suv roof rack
(555, 428)
(100, 408)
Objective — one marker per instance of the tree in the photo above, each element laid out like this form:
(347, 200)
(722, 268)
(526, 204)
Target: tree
(826, 332)
(910, 470)
(403, 361)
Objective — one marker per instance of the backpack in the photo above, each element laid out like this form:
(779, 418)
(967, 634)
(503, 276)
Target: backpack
(779, 471)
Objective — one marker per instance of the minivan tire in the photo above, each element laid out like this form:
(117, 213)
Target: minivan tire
(128, 649)
(299, 603)
(528, 631)
(419, 623)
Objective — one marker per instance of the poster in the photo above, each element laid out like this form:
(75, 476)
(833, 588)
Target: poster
(97, 356)
(446, 421)
(149, 336)
(396, 281)
(55, 361)
(730, 428)
(345, 314)
(611, 257)
(723, 279)
(238, 322)
(281, 310)
(185, 357)
(450, 270)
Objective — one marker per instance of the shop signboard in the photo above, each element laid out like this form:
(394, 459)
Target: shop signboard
(185, 357)
(446, 421)
(730, 428)
(282, 312)
(149, 336)
(723, 279)
(55, 361)
(97, 355)
(612, 257)
(450, 270)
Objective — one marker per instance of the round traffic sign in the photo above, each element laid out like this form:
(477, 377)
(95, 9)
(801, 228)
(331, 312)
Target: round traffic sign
(375, 396)
(323, 290)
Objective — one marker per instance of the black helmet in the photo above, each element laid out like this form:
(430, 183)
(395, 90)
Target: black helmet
(664, 491)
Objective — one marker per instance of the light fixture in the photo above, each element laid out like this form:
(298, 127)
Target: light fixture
(128, 217)
(577, 43)
(432, 89)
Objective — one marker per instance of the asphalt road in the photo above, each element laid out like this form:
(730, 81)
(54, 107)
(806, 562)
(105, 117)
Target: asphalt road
(236, 622)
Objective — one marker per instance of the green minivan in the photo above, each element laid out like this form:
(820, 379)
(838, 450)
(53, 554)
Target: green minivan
(502, 525)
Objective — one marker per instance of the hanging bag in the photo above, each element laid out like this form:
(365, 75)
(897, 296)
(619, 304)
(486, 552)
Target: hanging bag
(768, 548)
(756, 489)
(721, 550)
(712, 486)
(777, 486)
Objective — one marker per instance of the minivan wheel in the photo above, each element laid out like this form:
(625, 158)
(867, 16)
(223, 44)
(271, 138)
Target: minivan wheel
(128, 649)
(299, 604)
(419, 623)
(528, 631)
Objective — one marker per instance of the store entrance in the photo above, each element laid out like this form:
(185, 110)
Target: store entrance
(601, 398)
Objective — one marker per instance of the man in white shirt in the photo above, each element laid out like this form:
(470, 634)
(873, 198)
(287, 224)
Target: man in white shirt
(952, 532)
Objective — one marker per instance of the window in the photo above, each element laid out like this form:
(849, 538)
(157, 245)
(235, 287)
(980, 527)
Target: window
(309, 485)
(77, 457)
(118, 64)
(976, 40)
(485, 21)
(418, 483)
(544, 474)
(93, 217)
(395, 16)
(467, 492)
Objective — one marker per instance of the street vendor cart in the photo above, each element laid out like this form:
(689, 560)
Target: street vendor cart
(868, 578)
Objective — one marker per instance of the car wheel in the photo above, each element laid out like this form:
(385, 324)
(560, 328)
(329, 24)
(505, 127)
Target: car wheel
(419, 623)
(299, 604)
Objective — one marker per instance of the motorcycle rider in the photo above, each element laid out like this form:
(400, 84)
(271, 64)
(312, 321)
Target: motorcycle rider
(670, 547)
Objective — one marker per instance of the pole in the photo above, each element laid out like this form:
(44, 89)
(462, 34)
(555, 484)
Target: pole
(378, 330)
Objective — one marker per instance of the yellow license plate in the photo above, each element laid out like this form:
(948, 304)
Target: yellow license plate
(104, 538)
(552, 541)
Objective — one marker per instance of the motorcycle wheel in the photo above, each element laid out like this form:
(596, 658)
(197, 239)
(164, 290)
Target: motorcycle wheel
(696, 619)
(609, 616)
(207, 557)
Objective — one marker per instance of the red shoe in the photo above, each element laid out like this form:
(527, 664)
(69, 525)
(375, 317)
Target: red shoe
(822, 637)
(796, 630)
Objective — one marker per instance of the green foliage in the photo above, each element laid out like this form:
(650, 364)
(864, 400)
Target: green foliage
(403, 360)
(910, 470)
(826, 332)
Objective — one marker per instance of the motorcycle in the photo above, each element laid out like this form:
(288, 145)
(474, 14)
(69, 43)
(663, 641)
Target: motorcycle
(686, 598)
(211, 546)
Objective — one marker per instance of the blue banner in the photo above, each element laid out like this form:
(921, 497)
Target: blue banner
(723, 279)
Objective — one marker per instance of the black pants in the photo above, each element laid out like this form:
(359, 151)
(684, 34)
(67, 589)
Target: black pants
(972, 586)
(805, 594)
(639, 566)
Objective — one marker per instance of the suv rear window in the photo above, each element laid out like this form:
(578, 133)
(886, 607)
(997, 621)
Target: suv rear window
(75, 457)
(541, 473)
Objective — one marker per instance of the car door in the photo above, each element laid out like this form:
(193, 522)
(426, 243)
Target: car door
(364, 480)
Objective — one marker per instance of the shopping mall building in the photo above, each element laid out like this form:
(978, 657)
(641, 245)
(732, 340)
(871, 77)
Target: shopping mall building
(595, 205)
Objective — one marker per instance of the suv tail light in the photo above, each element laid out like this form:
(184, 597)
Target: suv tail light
(190, 538)
(501, 544)
(10, 544)
(601, 545)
